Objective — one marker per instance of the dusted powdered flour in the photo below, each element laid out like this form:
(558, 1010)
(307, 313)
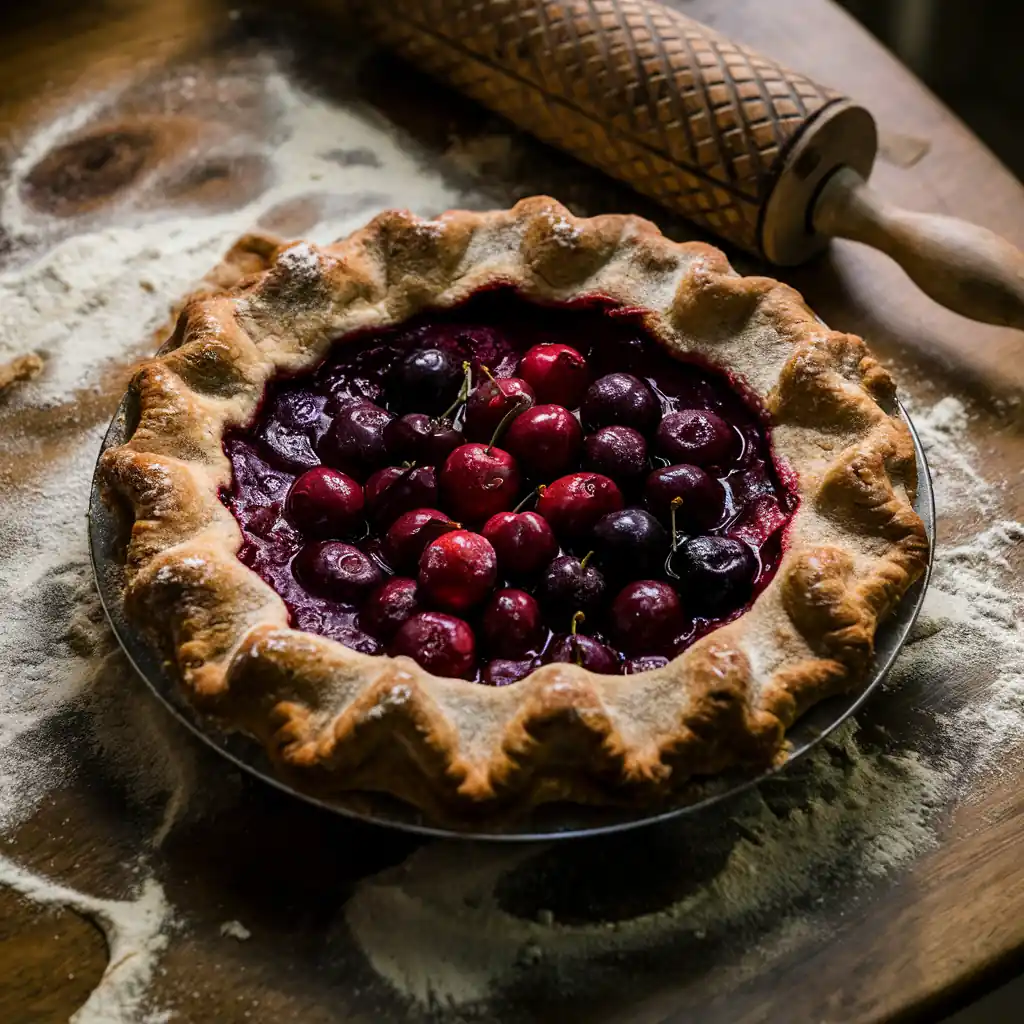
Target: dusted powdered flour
(435, 927)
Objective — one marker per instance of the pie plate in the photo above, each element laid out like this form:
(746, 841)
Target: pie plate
(107, 541)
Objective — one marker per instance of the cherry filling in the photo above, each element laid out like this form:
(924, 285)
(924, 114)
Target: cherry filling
(495, 487)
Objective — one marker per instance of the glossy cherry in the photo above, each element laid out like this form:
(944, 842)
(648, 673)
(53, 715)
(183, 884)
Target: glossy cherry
(702, 504)
(354, 442)
(388, 607)
(416, 437)
(622, 399)
(393, 491)
(426, 380)
(646, 614)
(571, 584)
(574, 503)
(696, 436)
(718, 571)
(631, 543)
(336, 570)
(492, 400)
(325, 503)
(442, 644)
(511, 624)
(557, 373)
(479, 480)
(585, 651)
(546, 440)
(458, 570)
(523, 541)
(411, 532)
(504, 671)
(617, 452)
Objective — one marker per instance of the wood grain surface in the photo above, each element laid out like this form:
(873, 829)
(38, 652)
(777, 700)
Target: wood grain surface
(912, 947)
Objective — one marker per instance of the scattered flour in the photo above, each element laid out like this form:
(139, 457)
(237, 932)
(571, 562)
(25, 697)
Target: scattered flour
(235, 930)
(434, 927)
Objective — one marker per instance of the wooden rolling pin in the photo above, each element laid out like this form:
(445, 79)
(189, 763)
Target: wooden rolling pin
(755, 153)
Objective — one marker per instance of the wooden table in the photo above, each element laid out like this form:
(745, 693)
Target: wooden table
(915, 946)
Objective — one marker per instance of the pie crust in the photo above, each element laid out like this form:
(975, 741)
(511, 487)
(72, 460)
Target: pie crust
(335, 720)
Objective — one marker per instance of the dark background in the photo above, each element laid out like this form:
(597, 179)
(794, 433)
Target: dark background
(969, 52)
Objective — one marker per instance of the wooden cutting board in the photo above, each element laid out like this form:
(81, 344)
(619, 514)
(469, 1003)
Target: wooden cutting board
(912, 946)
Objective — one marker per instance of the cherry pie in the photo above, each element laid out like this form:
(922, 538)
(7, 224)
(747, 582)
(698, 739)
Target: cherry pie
(506, 508)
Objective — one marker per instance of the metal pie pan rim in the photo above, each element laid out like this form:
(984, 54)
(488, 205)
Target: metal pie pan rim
(246, 753)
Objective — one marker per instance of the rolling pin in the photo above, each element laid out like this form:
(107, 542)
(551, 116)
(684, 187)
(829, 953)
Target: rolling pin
(755, 153)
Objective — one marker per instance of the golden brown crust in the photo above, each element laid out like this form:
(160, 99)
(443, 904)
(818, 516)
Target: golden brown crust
(337, 720)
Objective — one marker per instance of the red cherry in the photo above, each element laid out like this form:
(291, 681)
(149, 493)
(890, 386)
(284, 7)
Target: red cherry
(354, 442)
(490, 402)
(646, 614)
(411, 532)
(505, 671)
(458, 570)
(389, 606)
(585, 651)
(696, 436)
(335, 570)
(511, 624)
(416, 437)
(392, 491)
(545, 439)
(442, 644)
(523, 542)
(574, 503)
(325, 503)
(557, 373)
(703, 497)
(479, 480)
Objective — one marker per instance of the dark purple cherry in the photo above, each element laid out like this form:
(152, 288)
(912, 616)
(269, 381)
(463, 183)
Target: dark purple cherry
(335, 570)
(416, 437)
(298, 410)
(458, 570)
(718, 571)
(570, 584)
(426, 380)
(442, 644)
(618, 452)
(504, 671)
(620, 399)
(325, 503)
(646, 614)
(702, 497)
(478, 481)
(394, 491)
(630, 542)
(645, 663)
(545, 439)
(354, 442)
(696, 436)
(411, 532)
(389, 606)
(287, 447)
(490, 402)
(523, 542)
(585, 651)
(574, 503)
(557, 374)
(511, 624)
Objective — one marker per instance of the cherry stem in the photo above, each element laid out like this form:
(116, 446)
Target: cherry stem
(467, 384)
(676, 503)
(584, 562)
(577, 618)
(486, 371)
(521, 404)
(533, 494)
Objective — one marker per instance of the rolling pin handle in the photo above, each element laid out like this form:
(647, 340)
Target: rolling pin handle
(966, 268)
